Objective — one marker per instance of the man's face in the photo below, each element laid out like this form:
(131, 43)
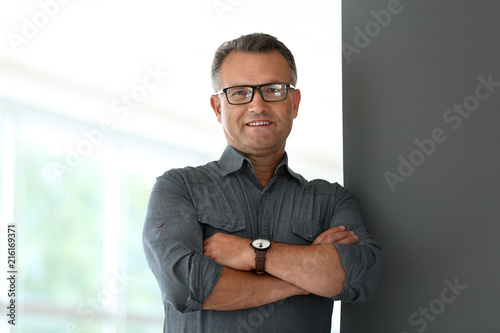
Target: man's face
(259, 128)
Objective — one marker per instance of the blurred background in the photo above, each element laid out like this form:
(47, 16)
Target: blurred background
(97, 98)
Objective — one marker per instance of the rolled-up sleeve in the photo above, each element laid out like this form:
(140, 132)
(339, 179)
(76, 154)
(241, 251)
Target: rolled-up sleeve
(173, 245)
(362, 260)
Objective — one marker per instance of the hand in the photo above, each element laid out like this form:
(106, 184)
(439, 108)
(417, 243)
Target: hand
(336, 235)
(230, 251)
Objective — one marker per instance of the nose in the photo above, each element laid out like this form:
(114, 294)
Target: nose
(257, 105)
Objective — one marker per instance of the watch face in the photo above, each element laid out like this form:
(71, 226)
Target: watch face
(261, 244)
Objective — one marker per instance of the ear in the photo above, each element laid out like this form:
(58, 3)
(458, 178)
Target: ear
(216, 104)
(295, 102)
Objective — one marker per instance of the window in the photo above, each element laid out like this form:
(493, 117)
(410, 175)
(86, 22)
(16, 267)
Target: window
(79, 155)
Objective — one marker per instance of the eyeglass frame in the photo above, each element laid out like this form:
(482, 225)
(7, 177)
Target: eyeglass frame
(224, 90)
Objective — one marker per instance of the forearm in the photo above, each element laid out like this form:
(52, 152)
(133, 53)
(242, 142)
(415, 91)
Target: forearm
(314, 268)
(236, 290)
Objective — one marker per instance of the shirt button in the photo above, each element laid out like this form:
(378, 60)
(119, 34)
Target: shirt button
(267, 315)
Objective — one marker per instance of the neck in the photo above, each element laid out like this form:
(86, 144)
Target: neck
(264, 166)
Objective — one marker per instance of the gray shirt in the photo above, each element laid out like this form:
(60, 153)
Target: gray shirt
(190, 204)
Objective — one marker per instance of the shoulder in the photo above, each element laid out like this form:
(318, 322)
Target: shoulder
(208, 173)
(322, 186)
(333, 192)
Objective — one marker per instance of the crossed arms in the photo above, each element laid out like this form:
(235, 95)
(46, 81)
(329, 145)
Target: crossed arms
(215, 273)
(291, 270)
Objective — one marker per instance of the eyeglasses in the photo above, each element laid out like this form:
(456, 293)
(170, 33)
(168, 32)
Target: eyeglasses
(270, 92)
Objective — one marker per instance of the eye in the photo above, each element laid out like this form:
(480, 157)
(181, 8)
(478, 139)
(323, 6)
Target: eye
(238, 92)
(274, 89)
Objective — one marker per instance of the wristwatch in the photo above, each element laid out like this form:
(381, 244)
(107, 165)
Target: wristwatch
(261, 246)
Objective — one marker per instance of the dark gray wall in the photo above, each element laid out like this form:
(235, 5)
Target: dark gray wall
(422, 154)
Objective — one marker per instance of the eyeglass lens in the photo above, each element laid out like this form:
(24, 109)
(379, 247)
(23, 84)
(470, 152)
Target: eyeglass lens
(273, 92)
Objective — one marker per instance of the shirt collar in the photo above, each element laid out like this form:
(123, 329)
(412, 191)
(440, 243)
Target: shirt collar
(232, 161)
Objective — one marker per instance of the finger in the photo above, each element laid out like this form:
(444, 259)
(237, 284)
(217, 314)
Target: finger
(321, 238)
(336, 237)
(348, 240)
(207, 243)
(336, 229)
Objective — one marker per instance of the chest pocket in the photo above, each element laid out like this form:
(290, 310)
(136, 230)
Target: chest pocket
(307, 230)
(214, 222)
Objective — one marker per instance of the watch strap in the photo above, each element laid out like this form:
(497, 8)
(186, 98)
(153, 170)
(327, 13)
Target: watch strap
(260, 261)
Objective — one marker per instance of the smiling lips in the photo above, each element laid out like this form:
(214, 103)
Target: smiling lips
(259, 123)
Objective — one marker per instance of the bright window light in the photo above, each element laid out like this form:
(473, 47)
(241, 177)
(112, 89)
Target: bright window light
(96, 100)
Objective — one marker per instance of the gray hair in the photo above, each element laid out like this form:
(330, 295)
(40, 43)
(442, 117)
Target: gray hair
(252, 43)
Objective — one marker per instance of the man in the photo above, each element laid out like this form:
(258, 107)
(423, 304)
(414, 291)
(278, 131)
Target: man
(244, 244)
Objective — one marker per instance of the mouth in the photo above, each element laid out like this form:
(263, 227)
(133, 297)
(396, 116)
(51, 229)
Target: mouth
(259, 123)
